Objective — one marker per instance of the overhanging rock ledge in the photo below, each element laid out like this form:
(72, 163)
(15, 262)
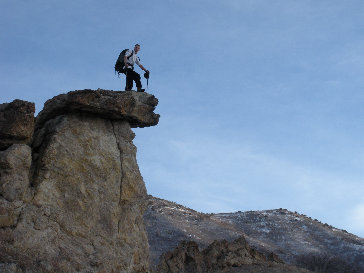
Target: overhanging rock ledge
(135, 107)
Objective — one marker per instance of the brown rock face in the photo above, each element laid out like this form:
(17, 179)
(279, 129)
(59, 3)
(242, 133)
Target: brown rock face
(136, 108)
(221, 257)
(186, 257)
(16, 122)
(14, 172)
(14, 184)
(75, 203)
(217, 257)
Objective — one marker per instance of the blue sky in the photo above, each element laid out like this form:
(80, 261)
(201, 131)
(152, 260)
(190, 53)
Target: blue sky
(261, 101)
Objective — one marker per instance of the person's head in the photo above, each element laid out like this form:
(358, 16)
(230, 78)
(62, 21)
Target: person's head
(136, 48)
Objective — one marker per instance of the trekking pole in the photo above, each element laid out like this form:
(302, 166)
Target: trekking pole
(146, 75)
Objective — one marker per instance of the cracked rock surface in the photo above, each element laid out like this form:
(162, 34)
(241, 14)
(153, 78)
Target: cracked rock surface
(74, 201)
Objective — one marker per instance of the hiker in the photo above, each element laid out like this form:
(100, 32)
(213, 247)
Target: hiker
(130, 58)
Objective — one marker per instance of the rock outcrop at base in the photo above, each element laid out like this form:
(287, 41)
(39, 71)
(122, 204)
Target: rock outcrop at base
(222, 257)
(74, 200)
(297, 239)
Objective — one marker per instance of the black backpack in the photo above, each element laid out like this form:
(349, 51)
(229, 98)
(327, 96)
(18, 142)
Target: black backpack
(119, 65)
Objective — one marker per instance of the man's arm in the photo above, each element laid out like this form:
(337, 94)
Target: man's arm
(140, 65)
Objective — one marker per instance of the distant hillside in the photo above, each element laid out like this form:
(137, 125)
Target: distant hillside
(295, 238)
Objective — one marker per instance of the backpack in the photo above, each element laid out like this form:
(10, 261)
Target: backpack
(119, 65)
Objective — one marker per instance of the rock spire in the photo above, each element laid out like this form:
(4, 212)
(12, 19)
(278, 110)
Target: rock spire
(71, 195)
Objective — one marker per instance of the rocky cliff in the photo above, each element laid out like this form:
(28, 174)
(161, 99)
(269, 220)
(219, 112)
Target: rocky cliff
(71, 195)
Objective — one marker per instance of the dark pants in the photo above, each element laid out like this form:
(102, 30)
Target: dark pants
(131, 76)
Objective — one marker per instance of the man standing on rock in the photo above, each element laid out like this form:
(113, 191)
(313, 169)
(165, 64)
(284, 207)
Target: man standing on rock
(130, 58)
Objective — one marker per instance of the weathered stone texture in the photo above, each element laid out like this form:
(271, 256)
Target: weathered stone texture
(135, 107)
(14, 172)
(16, 122)
(221, 257)
(82, 208)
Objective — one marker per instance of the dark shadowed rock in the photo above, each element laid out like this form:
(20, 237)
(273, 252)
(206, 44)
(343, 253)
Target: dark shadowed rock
(16, 122)
(223, 254)
(274, 258)
(134, 107)
(186, 257)
(220, 257)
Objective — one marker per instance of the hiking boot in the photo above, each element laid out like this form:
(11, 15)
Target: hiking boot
(127, 89)
(140, 90)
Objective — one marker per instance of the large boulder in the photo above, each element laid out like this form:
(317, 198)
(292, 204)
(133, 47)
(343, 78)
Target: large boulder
(81, 210)
(134, 107)
(16, 123)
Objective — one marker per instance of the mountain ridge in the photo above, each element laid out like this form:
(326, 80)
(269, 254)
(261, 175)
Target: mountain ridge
(295, 238)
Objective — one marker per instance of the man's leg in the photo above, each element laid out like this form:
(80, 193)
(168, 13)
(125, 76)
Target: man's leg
(129, 79)
(138, 83)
